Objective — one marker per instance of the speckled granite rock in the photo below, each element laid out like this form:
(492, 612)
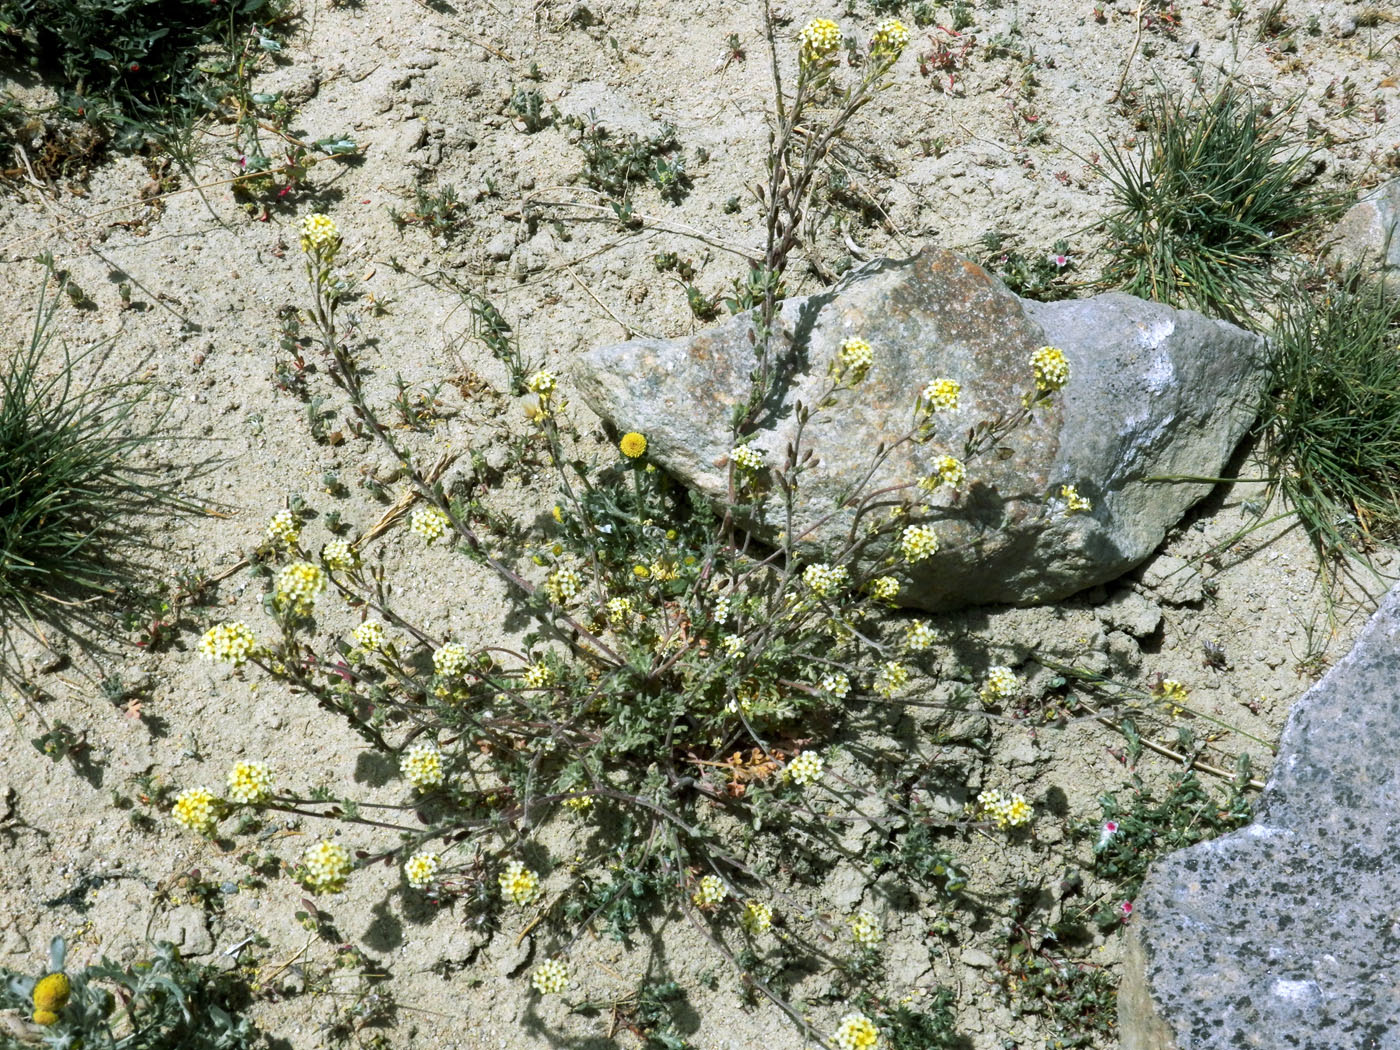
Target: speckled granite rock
(1371, 230)
(1153, 391)
(1286, 934)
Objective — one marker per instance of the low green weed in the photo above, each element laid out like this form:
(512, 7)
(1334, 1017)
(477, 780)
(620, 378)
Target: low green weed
(1045, 276)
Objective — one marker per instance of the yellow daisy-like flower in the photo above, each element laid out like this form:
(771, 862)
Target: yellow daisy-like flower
(821, 40)
(420, 870)
(632, 444)
(1051, 368)
(197, 809)
(890, 37)
(51, 994)
(249, 783)
(45, 1017)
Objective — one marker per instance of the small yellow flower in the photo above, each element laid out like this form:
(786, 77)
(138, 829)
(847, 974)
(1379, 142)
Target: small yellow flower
(537, 676)
(1074, 502)
(1051, 368)
(890, 37)
(369, 636)
(632, 444)
(823, 579)
(319, 235)
(51, 994)
(299, 585)
(543, 384)
(551, 977)
(890, 677)
(805, 768)
(451, 659)
(757, 917)
(579, 803)
(339, 556)
(518, 883)
(836, 683)
(249, 783)
(853, 361)
(1001, 684)
(326, 866)
(821, 40)
(865, 930)
(420, 869)
(947, 470)
(884, 588)
(1174, 695)
(918, 542)
(228, 643)
(919, 636)
(746, 457)
(45, 1017)
(1008, 811)
(197, 809)
(563, 584)
(710, 892)
(941, 395)
(421, 765)
(284, 528)
(619, 612)
(429, 523)
(857, 1032)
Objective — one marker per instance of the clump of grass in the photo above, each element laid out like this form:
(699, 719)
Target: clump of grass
(1332, 416)
(70, 479)
(1211, 204)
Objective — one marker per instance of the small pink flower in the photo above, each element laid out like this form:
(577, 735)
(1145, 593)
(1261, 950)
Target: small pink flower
(1126, 908)
(1106, 833)
(1060, 261)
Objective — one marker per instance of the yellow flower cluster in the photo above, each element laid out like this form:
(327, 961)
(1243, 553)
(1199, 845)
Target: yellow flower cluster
(1009, 811)
(197, 809)
(918, 542)
(805, 768)
(857, 1032)
(1074, 502)
(420, 869)
(757, 917)
(890, 37)
(542, 383)
(1174, 694)
(563, 584)
(919, 636)
(890, 677)
(884, 588)
(746, 457)
(821, 40)
(865, 930)
(579, 802)
(537, 676)
(228, 643)
(299, 585)
(823, 579)
(1051, 368)
(1001, 684)
(853, 360)
(451, 659)
(722, 610)
(369, 636)
(632, 445)
(429, 523)
(710, 892)
(732, 645)
(249, 783)
(284, 528)
(947, 470)
(836, 683)
(942, 395)
(327, 866)
(50, 995)
(421, 765)
(619, 611)
(339, 556)
(518, 883)
(551, 977)
(320, 235)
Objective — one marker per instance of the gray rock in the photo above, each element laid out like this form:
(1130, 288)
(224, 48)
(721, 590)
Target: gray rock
(1285, 934)
(1370, 232)
(1131, 613)
(187, 928)
(1153, 391)
(1175, 580)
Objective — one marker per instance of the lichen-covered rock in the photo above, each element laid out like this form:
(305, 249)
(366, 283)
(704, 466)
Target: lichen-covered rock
(1153, 391)
(1369, 233)
(1285, 933)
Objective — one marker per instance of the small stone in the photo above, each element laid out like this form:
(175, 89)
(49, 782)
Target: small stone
(1132, 613)
(977, 959)
(1175, 580)
(501, 246)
